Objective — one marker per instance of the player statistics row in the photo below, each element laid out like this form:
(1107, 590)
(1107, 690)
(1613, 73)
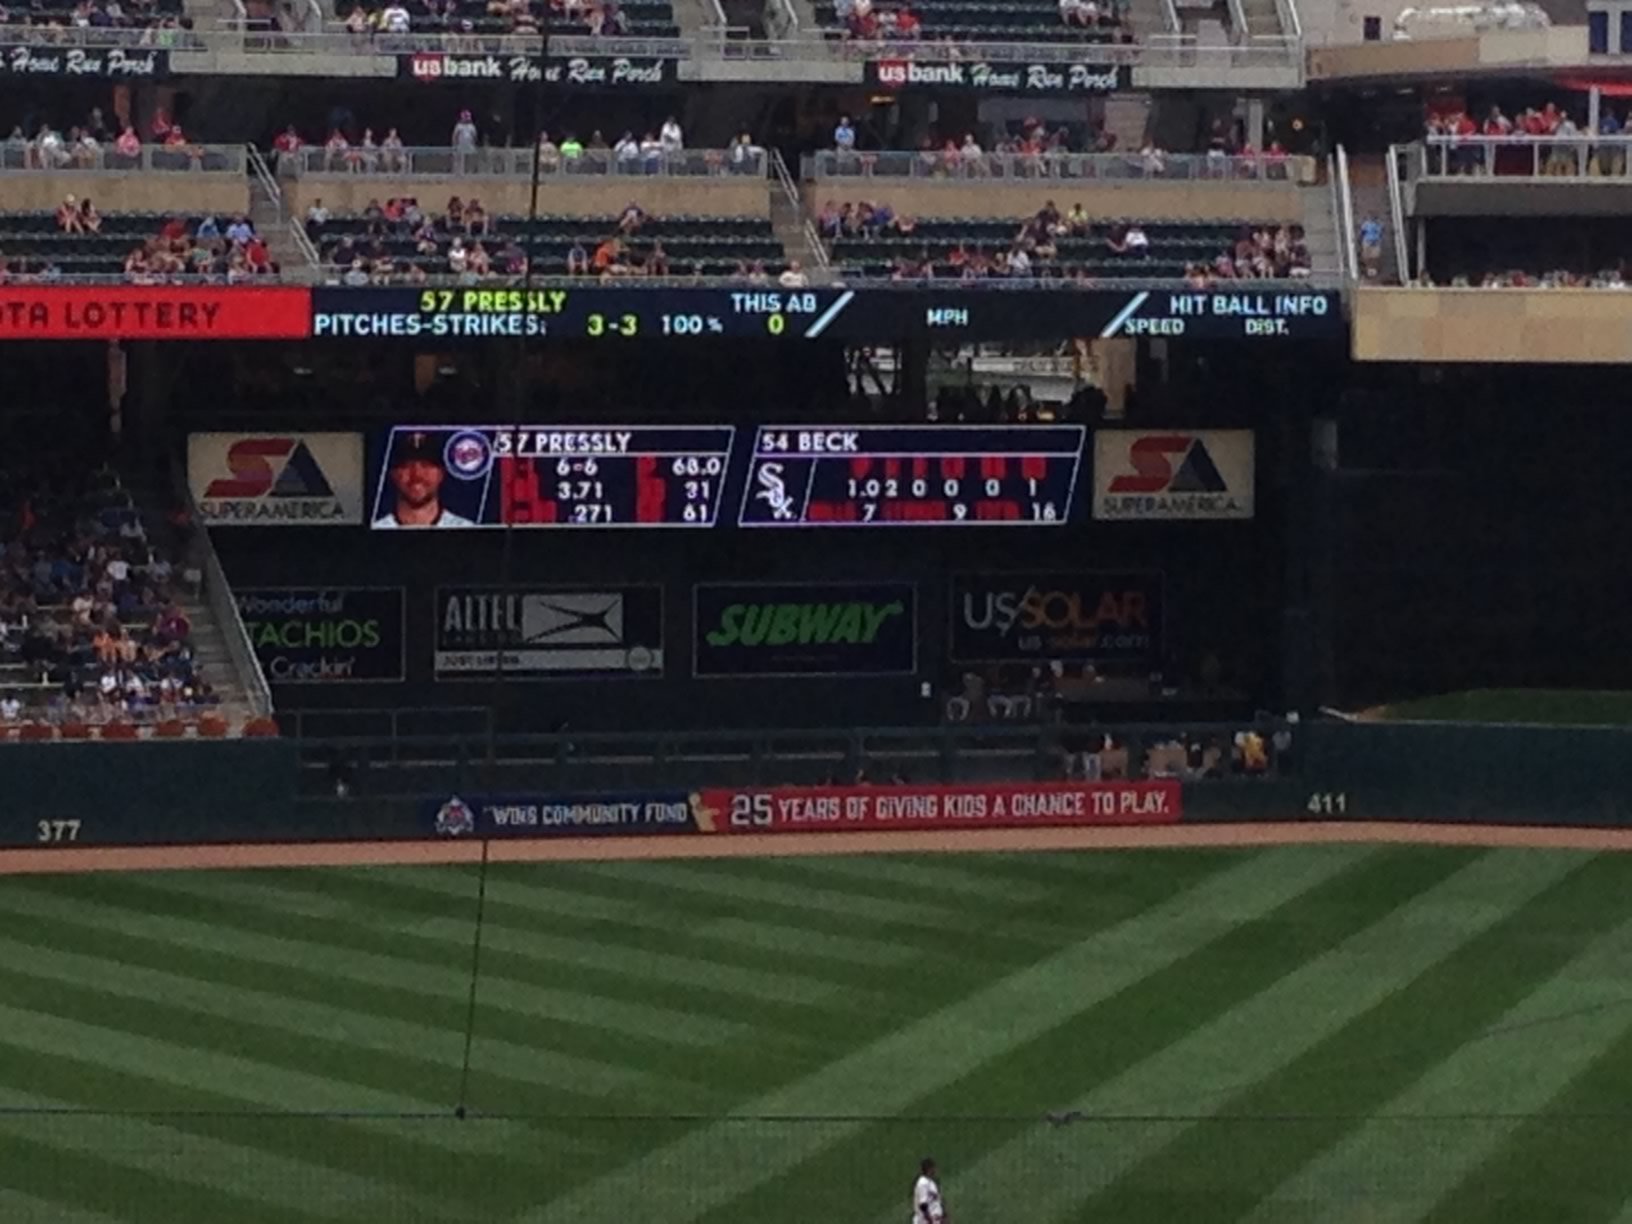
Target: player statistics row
(615, 314)
(470, 476)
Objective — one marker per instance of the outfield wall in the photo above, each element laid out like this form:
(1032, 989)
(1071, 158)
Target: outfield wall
(246, 791)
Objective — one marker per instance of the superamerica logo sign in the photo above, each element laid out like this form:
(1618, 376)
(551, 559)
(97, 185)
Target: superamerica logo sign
(983, 77)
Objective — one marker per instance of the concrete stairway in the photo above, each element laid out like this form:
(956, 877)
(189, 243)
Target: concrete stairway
(212, 657)
(1127, 117)
(1263, 19)
(1320, 230)
(788, 223)
(1148, 18)
(1368, 179)
(272, 223)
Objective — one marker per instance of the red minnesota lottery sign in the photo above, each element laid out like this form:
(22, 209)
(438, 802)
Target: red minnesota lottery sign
(154, 312)
(791, 809)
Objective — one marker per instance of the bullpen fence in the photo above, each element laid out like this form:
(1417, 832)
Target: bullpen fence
(546, 1168)
(473, 784)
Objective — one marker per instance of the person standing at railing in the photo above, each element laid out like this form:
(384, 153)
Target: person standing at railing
(1608, 159)
(464, 140)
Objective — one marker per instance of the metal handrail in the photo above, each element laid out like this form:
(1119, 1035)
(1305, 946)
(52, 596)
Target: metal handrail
(269, 183)
(222, 604)
(1241, 32)
(1291, 22)
(1345, 215)
(933, 166)
(1570, 157)
(790, 192)
(1173, 51)
(243, 36)
(163, 159)
(490, 163)
(1396, 214)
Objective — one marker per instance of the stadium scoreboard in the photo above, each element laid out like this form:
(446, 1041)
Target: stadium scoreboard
(563, 475)
(614, 314)
(465, 476)
(911, 475)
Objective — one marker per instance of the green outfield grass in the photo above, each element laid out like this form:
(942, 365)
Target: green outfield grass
(1550, 707)
(1302, 1034)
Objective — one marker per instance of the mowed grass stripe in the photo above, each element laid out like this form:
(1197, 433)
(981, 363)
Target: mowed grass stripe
(645, 1076)
(232, 934)
(1090, 1047)
(587, 959)
(194, 1159)
(134, 1193)
(734, 883)
(434, 1156)
(918, 1058)
(1569, 1162)
(322, 1033)
(759, 1064)
(1396, 1167)
(610, 1003)
(1326, 1040)
(527, 895)
(20, 1208)
(918, 878)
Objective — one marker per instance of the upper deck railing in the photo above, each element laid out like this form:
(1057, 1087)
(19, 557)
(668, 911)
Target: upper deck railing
(1504, 158)
(931, 165)
(1161, 51)
(442, 161)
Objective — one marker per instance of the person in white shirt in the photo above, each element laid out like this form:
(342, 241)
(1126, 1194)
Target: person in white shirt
(673, 140)
(416, 476)
(395, 19)
(793, 277)
(927, 1207)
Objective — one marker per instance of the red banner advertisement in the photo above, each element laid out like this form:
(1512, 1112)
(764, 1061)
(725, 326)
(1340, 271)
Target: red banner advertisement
(154, 312)
(792, 809)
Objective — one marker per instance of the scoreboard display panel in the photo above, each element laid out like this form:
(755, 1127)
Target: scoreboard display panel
(552, 476)
(907, 475)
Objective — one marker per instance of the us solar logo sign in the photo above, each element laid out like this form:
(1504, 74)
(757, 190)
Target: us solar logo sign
(277, 480)
(1173, 474)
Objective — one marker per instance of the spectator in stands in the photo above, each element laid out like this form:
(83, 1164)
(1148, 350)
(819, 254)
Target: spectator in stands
(394, 18)
(129, 145)
(393, 159)
(1371, 246)
(793, 276)
(844, 135)
(671, 136)
(577, 259)
(746, 156)
(68, 218)
(549, 154)
(464, 139)
(286, 147)
(317, 214)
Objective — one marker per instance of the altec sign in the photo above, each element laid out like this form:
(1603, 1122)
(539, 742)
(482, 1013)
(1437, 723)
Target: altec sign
(980, 76)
